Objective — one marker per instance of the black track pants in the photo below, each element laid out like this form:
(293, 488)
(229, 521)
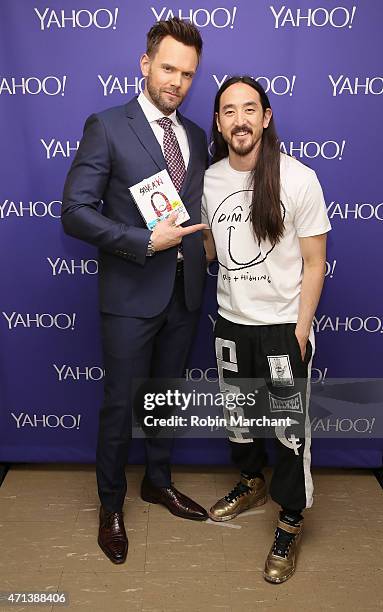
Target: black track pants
(266, 360)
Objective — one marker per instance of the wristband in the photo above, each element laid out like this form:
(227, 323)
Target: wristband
(150, 250)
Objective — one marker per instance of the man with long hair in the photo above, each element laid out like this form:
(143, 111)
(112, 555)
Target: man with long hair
(268, 225)
(150, 289)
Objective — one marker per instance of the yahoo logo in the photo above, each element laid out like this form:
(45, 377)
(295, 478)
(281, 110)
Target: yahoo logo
(102, 18)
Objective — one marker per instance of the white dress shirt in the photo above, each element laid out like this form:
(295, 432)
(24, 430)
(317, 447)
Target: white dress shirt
(152, 113)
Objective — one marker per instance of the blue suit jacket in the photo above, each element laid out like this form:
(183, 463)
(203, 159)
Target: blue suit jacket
(119, 149)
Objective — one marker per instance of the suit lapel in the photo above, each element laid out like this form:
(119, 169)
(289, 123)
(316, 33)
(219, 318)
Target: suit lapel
(192, 152)
(144, 132)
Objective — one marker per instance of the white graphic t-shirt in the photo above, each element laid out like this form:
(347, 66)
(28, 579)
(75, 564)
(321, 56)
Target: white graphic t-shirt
(259, 284)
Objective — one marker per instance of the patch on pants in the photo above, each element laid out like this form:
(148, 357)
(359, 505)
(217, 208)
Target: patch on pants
(280, 370)
(292, 403)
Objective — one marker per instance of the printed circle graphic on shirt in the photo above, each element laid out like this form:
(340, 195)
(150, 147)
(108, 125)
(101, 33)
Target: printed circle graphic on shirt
(234, 236)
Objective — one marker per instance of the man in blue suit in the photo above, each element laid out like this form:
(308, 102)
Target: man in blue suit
(150, 283)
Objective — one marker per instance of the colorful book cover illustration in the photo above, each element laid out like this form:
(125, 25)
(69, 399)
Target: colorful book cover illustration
(156, 197)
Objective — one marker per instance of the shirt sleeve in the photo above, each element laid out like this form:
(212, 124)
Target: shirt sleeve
(311, 217)
(204, 217)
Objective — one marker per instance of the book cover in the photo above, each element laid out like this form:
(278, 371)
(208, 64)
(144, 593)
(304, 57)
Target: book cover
(156, 197)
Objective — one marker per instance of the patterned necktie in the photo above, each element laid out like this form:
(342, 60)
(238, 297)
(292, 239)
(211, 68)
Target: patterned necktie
(172, 153)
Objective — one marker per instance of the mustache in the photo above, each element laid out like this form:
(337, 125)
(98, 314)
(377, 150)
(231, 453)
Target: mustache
(241, 128)
(173, 90)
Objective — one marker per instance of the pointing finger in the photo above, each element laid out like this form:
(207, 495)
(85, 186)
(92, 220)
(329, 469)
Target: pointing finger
(191, 229)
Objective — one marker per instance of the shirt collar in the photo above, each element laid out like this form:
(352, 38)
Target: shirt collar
(152, 113)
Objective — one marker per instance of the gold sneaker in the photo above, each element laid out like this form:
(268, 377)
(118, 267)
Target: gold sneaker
(281, 560)
(247, 493)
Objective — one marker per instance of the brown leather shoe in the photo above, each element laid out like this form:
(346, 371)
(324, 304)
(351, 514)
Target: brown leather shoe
(177, 503)
(112, 536)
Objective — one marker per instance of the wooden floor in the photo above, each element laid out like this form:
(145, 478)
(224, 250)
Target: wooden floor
(48, 532)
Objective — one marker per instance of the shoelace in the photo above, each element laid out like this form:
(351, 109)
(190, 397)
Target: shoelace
(282, 542)
(237, 491)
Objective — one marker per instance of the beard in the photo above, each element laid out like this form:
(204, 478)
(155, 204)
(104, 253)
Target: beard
(165, 105)
(241, 149)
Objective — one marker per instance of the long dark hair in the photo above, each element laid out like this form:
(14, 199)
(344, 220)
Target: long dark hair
(266, 213)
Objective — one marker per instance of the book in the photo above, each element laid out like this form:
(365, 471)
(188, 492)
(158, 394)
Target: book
(156, 197)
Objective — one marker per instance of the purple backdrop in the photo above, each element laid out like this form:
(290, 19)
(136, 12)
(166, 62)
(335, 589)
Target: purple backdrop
(321, 66)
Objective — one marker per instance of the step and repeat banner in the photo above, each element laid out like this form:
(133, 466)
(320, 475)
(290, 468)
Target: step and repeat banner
(320, 61)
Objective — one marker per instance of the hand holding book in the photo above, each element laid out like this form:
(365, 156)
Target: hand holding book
(167, 234)
(163, 210)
